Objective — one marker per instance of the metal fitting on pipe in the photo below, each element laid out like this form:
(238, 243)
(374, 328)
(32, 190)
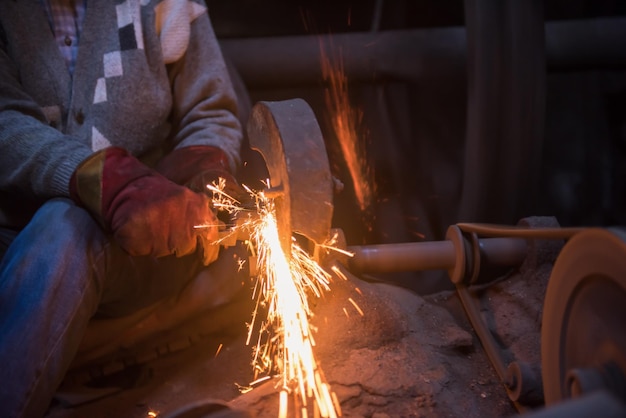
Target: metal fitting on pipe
(461, 256)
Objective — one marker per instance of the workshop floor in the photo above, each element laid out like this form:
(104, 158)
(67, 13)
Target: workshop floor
(407, 356)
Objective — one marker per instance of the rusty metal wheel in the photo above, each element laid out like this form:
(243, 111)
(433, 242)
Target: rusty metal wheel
(287, 135)
(583, 336)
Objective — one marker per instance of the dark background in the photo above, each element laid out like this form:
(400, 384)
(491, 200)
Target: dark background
(420, 134)
(252, 18)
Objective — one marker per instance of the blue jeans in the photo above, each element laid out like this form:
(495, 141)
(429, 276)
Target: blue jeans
(56, 274)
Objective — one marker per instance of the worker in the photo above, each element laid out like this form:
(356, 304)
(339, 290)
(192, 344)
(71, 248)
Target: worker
(114, 115)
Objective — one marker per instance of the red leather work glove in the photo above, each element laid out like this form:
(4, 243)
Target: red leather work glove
(198, 166)
(147, 213)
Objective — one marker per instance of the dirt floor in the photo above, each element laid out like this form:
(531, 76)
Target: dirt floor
(406, 356)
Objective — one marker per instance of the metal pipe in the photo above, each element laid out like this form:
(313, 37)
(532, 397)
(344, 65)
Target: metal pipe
(413, 54)
(365, 56)
(586, 44)
(411, 256)
(432, 255)
(504, 124)
(502, 251)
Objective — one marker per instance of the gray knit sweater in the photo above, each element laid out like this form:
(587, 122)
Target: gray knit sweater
(149, 76)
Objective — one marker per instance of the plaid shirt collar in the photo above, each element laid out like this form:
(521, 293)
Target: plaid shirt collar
(66, 21)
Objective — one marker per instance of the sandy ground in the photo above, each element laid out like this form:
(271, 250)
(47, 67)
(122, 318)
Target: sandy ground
(406, 356)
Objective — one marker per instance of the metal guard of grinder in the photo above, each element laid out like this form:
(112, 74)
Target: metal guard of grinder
(287, 135)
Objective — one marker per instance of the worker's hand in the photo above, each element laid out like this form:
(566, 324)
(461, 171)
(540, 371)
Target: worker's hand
(196, 167)
(147, 213)
(199, 166)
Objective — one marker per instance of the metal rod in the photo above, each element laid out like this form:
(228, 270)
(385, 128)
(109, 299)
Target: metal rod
(494, 230)
(413, 54)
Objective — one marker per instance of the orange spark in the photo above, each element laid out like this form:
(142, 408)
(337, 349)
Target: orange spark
(218, 350)
(345, 121)
(356, 306)
(286, 337)
(284, 283)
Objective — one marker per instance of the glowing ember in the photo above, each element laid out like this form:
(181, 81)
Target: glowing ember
(345, 121)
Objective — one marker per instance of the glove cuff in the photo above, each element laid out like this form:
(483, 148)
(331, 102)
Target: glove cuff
(183, 164)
